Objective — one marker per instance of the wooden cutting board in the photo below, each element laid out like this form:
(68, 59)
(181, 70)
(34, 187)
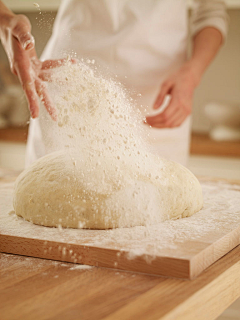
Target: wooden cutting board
(181, 248)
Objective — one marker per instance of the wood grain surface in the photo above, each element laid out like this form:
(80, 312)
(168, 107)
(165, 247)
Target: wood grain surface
(102, 257)
(32, 288)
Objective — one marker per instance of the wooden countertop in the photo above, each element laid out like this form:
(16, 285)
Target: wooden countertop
(14, 134)
(33, 288)
(201, 144)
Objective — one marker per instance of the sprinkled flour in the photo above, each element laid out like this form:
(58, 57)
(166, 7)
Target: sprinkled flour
(220, 215)
(80, 267)
(98, 172)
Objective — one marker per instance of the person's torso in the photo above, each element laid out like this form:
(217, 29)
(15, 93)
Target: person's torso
(138, 40)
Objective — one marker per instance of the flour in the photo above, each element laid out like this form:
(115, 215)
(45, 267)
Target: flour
(80, 267)
(94, 113)
(219, 216)
(98, 172)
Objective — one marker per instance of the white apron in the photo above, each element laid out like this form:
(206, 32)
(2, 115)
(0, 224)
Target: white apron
(139, 41)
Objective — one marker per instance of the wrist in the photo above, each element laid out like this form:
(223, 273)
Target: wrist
(195, 69)
(5, 14)
(6, 18)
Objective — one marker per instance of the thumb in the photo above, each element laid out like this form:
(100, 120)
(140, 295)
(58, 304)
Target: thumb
(22, 32)
(165, 89)
(26, 40)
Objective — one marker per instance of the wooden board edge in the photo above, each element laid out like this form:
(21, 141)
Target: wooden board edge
(95, 256)
(203, 298)
(214, 252)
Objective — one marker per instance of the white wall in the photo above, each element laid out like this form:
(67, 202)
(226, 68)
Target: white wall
(221, 81)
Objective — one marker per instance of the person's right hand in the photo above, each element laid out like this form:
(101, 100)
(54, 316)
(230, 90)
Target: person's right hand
(18, 43)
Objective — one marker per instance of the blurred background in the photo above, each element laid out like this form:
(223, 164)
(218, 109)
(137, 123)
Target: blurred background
(215, 145)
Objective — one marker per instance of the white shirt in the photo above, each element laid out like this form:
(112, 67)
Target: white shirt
(140, 41)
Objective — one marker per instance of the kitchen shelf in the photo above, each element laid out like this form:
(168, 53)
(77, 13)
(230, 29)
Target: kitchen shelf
(201, 144)
(46, 5)
(14, 134)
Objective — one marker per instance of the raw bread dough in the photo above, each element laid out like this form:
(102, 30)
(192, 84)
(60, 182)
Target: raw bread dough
(65, 189)
(104, 176)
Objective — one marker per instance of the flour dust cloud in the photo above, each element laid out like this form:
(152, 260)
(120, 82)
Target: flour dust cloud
(98, 172)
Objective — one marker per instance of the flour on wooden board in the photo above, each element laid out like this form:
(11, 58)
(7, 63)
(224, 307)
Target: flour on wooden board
(103, 176)
(219, 216)
(81, 267)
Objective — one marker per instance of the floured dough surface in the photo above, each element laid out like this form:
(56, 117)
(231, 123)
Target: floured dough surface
(98, 172)
(54, 191)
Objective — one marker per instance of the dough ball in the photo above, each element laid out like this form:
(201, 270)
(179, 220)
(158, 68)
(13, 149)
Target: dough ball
(92, 191)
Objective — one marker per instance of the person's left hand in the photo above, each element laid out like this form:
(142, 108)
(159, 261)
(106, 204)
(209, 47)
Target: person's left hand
(181, 87)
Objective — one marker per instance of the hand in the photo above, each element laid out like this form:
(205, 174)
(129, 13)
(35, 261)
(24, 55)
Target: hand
(19, 46)
(181, 87)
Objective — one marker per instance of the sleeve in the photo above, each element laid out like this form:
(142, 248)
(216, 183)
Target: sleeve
(209, 13)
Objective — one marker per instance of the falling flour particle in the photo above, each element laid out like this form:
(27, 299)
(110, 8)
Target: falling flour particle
(106, 177)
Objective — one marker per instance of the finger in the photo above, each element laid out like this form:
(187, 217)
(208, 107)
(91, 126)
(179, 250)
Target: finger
(22, 32)
(175, 104)
(153, 120)
(165, 89)
(22, 68)
(35, 63)
(27, 41)
(32, 98)
(49, 64)
(163, 116)
(45, 98)
(45, 75)
(27, 83)
(167, 124)
(176, 122)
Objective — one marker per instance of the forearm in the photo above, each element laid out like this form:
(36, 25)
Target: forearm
(206, 44)
(4, 10)
(182, 83)
(5, 15)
